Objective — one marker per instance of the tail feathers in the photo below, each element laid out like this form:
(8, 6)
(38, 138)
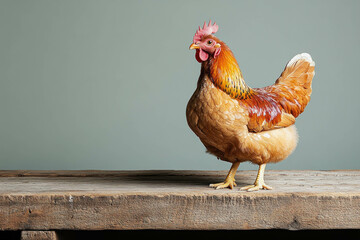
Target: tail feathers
(278, 105)
(293, 87)
(301, 56)
(299, 71)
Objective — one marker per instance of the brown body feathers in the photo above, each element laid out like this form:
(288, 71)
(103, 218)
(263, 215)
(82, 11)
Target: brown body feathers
(239, 123)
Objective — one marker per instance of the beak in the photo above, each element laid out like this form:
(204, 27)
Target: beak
(194, 46)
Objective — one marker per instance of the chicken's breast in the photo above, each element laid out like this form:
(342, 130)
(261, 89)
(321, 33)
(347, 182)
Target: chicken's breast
(221, 124)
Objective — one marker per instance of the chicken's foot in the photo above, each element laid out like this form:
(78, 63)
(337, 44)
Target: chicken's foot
(230, 178)
(259, 182)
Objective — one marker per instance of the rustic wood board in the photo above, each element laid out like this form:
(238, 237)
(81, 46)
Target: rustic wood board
(117, 200)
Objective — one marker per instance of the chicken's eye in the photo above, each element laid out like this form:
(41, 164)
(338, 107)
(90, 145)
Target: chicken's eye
(209, 42)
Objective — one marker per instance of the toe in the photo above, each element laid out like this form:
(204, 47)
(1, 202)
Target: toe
(223, 186)
(267, 187)
(256, 188)
(252, 188)
(246, 188)
(215, 185)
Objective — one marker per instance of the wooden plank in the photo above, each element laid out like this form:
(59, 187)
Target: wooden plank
(114, 200)
(38, 235)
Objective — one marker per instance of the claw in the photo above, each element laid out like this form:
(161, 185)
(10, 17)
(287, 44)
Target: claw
(226, 184)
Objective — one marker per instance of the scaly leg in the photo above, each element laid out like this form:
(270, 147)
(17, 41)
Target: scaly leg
(259, 182)
(230, 178)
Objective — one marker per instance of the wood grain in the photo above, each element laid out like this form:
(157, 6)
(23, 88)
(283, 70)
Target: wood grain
(114, 200)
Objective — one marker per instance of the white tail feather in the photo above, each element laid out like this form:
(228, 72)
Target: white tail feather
(304, 56)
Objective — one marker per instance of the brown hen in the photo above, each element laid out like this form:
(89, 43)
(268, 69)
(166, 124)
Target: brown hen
(237, 123)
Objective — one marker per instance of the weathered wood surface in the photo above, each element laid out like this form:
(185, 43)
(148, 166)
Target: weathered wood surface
(98, 200)
(38, 235)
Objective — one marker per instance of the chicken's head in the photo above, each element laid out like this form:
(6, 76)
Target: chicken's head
(205, 43)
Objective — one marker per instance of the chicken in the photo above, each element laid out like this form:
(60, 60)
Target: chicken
(237, 123)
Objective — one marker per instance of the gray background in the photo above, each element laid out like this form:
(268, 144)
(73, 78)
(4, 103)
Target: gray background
(104, 84)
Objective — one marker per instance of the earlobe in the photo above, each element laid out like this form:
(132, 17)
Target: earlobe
(217, 51)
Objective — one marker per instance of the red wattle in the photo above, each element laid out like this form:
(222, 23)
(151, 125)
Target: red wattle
(203, 55)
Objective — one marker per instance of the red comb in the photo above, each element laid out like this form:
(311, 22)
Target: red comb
(206, 30)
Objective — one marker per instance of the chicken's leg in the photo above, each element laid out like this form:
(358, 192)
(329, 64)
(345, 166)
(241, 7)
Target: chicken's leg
(230, 178)
(259, 182)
